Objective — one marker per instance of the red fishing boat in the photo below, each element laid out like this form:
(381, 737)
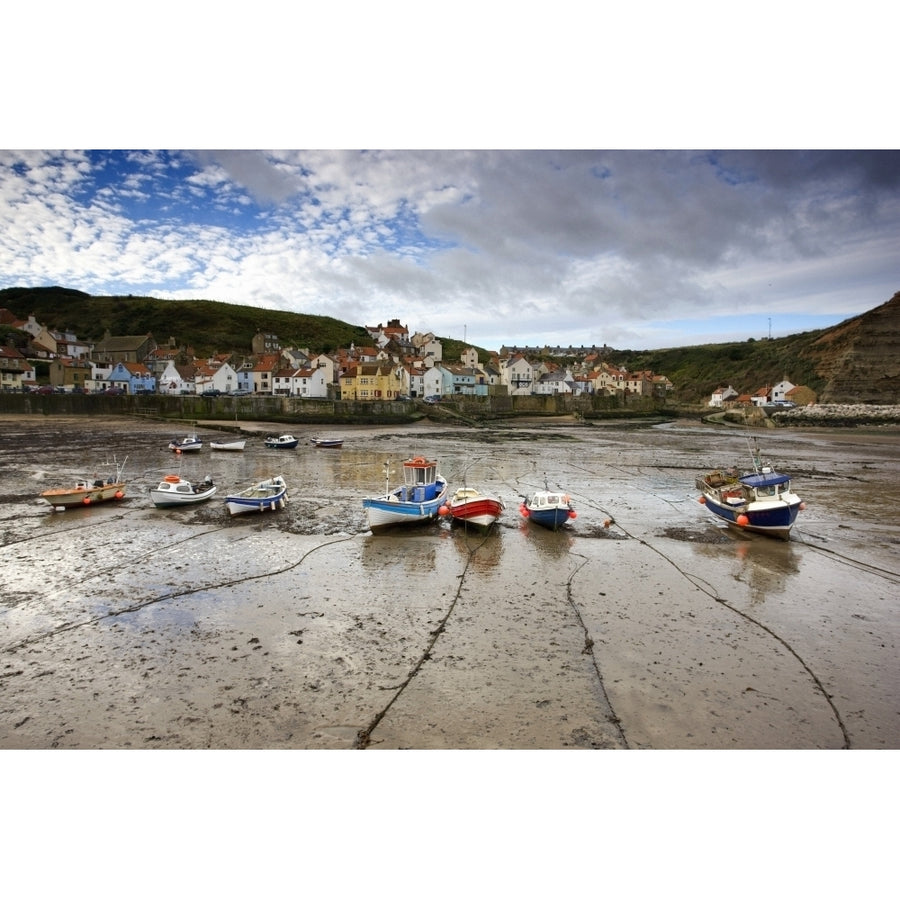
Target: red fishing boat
(473, 507)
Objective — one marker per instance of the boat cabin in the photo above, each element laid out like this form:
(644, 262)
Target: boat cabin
(544, 500)
(767, 484)
(419, 480)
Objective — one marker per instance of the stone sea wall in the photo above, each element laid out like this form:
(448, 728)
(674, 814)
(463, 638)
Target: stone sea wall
(846, 415)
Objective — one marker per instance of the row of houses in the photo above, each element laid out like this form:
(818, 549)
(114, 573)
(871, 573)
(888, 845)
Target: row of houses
(397, 365)
(785, 393)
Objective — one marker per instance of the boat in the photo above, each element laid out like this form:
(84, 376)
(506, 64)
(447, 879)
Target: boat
(547, 508)
(329, 443)
(176, 491)
(417, 500)
(188, 444)
(269, 494)
(87, 491)
(471, 507)
(282, 442)
(760, 500)
(227, 445)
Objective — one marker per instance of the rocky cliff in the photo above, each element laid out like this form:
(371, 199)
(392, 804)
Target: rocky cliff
(859, 359)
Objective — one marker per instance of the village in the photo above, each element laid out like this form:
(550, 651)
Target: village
(396, 366)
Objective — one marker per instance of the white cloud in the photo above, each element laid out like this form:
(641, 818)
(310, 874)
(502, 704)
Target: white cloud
(510, 247)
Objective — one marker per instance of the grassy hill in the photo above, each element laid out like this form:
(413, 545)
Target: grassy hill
(209, 326)
(748, 365)
(856, 361)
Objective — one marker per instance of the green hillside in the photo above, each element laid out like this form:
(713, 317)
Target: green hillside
(209, 326)
(748, 365)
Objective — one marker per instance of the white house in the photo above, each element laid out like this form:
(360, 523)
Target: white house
(208, 378)
(518, 375)
(558, 382)
(780, 390)
(722, 394)
(175, 379)
(433, 382)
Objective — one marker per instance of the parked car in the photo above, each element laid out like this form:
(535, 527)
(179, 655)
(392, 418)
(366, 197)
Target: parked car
(434, 398)
(114, 391)
(46, 389)
(211, 392)
(241, 393)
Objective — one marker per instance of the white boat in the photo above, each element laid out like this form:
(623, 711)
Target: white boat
(188, 444)
(328, 443)
(417, 500)
(270, 494)
(227, 445)
(87, 491)
(175, 491)
(282, 442)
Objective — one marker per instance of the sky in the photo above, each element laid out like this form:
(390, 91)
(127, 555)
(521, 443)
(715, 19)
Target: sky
(632, 249)
(636, 232)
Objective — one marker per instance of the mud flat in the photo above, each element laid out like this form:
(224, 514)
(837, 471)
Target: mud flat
(641, 625)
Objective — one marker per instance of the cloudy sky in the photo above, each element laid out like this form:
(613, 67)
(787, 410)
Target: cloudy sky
(635, 249)
(632, 248)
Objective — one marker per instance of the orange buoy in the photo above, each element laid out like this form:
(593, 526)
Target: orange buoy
(443, 510)
(178, 451)
(607, 523)
(802, 505)
(119, 495)
(172, 479)
(701, 499)
(742, 520)
(86, 501)
(524, 510)
(573, 514)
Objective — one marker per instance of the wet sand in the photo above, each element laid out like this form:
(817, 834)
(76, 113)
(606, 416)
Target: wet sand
(643, 624)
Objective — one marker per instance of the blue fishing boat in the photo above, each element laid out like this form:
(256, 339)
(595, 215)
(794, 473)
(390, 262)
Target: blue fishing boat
(761, 500)
(415, 501)
(547, 508)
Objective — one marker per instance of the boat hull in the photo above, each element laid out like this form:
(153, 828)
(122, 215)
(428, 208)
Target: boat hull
(267, 496)
(282, 445)
(327, 444)
(228, 445)
(386, 512)
(774, 519)
(71, 498)
(549, 518)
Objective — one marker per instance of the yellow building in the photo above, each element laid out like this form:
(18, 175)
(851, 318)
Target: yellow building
(373, 381)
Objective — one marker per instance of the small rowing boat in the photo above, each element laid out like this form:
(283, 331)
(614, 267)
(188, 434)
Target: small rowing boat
(227, 445)
(269, 494)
